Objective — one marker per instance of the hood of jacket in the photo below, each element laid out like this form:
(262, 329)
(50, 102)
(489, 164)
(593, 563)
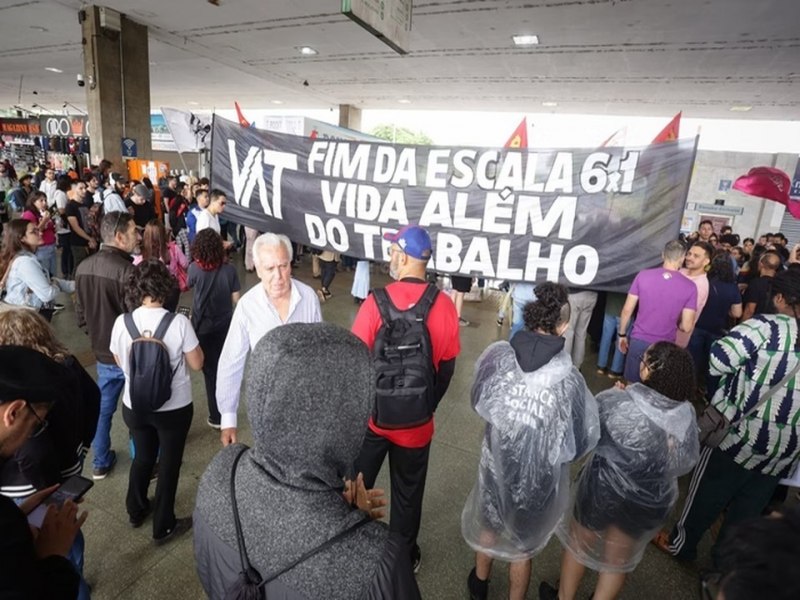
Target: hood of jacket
(534, 350)
(310, 390)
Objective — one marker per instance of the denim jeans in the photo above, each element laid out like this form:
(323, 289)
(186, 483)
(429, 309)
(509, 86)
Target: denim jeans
(520, 296)
(110, 380)
(75, 556)
(46, 255)
(700, 349)
(609, 338)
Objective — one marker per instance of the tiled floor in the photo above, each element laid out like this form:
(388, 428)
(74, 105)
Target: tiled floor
(122, 562)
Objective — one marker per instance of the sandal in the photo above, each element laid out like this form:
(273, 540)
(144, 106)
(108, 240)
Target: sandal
(661, 541)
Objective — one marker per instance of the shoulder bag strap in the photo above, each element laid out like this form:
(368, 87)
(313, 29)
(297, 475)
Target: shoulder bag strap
(339, 536)
(769, 393)
(166, 321)
(426, 301)
(251, 574)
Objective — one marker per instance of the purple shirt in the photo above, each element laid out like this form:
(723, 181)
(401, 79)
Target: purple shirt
(663, 294)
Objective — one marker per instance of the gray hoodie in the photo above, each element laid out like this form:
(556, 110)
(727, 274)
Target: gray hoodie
(310, 392)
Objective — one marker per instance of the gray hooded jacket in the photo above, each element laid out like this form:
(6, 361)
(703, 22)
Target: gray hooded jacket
(310, 391)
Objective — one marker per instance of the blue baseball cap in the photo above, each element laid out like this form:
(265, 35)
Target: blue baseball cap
(413, 240)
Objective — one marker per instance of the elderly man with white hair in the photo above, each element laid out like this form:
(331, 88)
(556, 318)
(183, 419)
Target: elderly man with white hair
(278, 300)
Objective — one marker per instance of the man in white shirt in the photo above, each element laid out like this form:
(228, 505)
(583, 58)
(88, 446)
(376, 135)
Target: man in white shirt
(278, 300)
(48, 185)
(209, 216)
(112, 196)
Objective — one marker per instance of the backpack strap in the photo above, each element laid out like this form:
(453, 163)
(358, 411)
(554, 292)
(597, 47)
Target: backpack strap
(131, 326)
(161, 331)
(425, 303)
(384, 304)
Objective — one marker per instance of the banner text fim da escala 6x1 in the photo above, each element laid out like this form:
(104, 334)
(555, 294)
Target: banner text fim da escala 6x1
(586, 218)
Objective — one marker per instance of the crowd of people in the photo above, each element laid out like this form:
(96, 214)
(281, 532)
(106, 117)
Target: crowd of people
(297, 515)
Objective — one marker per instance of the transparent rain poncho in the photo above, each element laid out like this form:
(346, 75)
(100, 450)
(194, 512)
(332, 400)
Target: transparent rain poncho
(627, 489)
(536, 424)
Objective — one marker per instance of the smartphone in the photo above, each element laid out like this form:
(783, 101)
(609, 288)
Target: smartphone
(73, 489)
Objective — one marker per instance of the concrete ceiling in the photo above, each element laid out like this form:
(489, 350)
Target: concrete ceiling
(627, 57)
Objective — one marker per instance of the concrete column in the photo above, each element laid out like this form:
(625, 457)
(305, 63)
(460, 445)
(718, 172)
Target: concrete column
(117, 74)
(350, 117)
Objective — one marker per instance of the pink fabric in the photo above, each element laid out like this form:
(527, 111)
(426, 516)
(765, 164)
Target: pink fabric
(178, 265)
(49, 231)
(770, 183)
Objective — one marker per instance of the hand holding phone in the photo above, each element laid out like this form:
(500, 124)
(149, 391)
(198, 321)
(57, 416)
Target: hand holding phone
(59, 528)
(73, 489)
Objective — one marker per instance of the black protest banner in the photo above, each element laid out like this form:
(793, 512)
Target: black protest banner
(586, 218)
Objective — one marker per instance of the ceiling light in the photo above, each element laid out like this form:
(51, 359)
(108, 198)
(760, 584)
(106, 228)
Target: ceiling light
(740, 108)
(277, 101)
(53, 70)
(525, 40)
(193, 103)
(307, 50)
(550, 103)
(39, 28)
(404, 101)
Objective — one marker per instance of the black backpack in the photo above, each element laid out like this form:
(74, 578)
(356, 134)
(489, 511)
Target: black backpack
(150, 372)
(405, 390)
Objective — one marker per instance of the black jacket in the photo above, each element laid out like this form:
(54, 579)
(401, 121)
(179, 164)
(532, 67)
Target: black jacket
(100, 296)
(58, 453)
(23, 576)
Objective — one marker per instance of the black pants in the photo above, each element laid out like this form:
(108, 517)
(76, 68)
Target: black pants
(67, 262)
(408, 468)
(328, 269)
(718, 483)
(211, 343)
(151, 431)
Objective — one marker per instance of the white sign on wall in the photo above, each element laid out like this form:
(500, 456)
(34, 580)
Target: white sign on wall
(388, 20)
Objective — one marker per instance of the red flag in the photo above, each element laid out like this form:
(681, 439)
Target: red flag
(770, 183)
(519, 139)
(242, 121)
(671, 132)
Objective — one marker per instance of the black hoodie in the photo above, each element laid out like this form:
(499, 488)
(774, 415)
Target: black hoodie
(534, 350)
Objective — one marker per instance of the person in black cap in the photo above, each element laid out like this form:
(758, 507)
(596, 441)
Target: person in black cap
(30, 384)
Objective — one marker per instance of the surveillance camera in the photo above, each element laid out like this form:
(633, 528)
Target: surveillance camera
(305, 83)
(81, 82)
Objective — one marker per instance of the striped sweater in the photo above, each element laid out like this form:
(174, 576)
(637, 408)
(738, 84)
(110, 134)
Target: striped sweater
(755, 356)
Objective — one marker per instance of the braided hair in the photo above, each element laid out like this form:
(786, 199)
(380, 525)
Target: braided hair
(787, 284)
(549, 310)
(671, 371)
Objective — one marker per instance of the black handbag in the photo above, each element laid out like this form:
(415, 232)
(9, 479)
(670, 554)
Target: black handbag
(249, 585)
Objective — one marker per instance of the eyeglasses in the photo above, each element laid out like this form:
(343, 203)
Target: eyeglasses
(42, 423)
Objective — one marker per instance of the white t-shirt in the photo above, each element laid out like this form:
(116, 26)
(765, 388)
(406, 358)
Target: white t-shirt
(205, 220)
(60, 201)
(112, 202)
(179, 339)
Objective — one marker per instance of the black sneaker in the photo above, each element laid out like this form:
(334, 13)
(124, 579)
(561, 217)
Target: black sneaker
(462, 322)
(478, 588)
(213, 424)
(57, 307)
(181, 526)
(547, 591)
(416, 558)
(102, 472)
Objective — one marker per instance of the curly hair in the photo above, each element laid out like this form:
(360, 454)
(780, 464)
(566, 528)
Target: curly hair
(549, 310)
(149, 279)
(207, 248)
(23, 327)
(671, 371)
(722, 267)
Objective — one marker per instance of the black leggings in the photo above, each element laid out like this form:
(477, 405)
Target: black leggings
(328, 268)
(211, 343)
(152, 431)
